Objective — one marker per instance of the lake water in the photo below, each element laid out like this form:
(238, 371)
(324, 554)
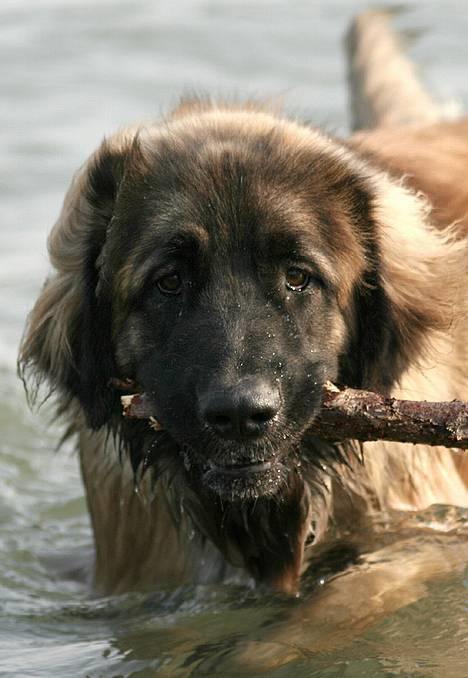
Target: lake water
(71, 72)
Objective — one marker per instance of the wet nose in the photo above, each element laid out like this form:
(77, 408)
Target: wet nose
(242, 411)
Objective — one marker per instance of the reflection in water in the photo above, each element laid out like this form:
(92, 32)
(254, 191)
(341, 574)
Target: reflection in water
(231, 631)
(369, 614)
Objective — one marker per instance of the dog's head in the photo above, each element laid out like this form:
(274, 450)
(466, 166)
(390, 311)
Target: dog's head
(229, 262)
(221, 264)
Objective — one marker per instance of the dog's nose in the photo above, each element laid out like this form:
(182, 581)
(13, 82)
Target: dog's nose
(242, 411)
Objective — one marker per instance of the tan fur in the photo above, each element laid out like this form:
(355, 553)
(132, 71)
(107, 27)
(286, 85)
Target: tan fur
(432, 159)
(421, 269)
(137, 542)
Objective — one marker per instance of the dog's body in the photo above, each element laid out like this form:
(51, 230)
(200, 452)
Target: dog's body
(229, 261)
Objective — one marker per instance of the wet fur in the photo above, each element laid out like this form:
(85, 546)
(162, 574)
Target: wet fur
(390, 317)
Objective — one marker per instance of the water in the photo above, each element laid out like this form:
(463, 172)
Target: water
(72, 71)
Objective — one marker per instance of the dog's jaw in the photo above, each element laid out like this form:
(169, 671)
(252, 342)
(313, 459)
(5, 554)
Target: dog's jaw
(247, 481)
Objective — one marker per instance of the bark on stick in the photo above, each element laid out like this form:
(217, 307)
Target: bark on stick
(352, 414)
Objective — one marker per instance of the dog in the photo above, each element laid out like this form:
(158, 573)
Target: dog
(229, 261)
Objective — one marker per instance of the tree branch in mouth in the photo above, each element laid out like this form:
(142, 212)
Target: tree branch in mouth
(352, 414)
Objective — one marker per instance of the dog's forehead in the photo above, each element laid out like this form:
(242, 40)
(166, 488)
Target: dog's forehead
(228, 213)
(259, 193)
(227, 187)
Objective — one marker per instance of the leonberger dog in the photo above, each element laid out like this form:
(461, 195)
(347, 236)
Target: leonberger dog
(228, 261)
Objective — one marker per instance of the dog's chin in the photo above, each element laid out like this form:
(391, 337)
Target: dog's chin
(236, 482)
(238, 471)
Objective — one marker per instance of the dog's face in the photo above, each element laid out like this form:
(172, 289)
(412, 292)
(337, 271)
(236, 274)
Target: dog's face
(227, 257)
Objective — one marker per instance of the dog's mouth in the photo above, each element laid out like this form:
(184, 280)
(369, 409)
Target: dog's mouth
(242, 479)
(239, 469)
(245, 481)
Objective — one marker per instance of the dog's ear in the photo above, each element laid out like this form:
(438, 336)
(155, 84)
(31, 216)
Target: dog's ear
(68, 337)
(409, 292)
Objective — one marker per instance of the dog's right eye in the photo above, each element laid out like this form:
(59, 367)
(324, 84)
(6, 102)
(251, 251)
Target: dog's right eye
(297, 279)
(170, 284)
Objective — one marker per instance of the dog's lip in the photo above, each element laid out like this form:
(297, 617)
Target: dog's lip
(240, 469)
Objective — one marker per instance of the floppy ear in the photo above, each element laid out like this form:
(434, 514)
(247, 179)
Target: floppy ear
(410, 291)
(68, 337)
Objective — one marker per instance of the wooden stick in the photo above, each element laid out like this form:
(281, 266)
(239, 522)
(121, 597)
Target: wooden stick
(364, 415)
(351, 414)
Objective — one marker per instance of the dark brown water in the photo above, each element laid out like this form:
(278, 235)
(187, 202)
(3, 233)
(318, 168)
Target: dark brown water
(72, 71)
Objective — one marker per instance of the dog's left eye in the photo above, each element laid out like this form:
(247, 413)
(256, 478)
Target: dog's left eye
(297, 278)
(170, 284)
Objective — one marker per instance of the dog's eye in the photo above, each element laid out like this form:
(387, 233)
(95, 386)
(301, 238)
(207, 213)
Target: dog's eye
(297, 279)
(170, 284)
